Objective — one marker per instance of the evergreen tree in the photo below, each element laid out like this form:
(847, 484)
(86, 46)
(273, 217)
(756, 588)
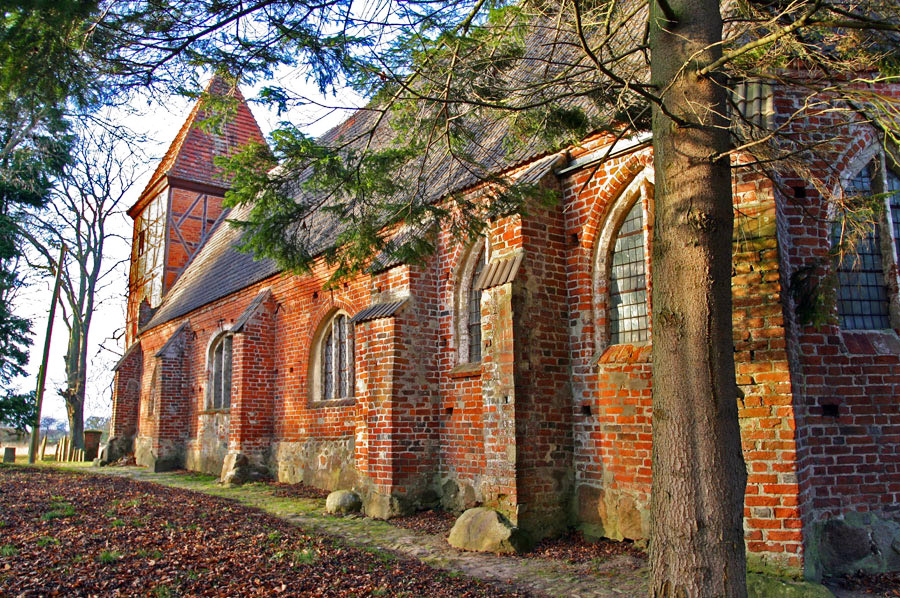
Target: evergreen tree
(45, 77)
(437, 75)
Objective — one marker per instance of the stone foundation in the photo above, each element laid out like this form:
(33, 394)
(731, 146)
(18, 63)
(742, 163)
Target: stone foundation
(609, 514)
(855, 542)
(327, 464)
(207, 452)
(167, 457)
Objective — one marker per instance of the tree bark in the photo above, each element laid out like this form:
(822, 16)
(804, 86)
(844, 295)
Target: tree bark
(697, 540)
(76, 375)
(75, 411)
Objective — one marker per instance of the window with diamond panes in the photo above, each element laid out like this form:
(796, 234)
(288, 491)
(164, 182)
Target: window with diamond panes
(861, 295)
(628, 322)
(893, 187)
(219, 396)
(473, 318)
(336, 359)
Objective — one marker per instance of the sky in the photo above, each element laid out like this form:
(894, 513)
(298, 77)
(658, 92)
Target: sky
(159, 123)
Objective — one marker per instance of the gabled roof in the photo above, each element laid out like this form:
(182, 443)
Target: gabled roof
(219, 269)
(190, 156)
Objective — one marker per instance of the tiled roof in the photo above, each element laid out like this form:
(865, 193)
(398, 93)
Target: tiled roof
(190, 156)
(220, 269)
(379, 310)
(173, 346)
(499, 272)
(260, 298)
(128, 352)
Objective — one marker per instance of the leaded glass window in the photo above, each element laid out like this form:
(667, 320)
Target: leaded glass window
(336, 360)
(628, 321)
(861, 294)
(473, 319)
(893, 187)
(219, 395)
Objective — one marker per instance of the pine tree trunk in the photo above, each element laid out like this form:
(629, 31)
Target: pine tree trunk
(697, 540)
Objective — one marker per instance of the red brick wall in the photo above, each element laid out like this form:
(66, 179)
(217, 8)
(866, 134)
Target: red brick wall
(848, 382)
(253, 384)
(612, 384)
(544, 445)
(552, 413)
(127, 393)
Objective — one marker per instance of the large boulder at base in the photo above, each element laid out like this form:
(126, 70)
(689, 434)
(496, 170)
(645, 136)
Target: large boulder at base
(342, 502)
(486, 530)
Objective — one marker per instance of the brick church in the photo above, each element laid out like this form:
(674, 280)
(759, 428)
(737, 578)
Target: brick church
(514, 371)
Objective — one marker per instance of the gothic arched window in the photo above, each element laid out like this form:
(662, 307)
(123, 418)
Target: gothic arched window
(332, 367)
(862, 296)
(219, 395)
(473, 311)
(628, 321)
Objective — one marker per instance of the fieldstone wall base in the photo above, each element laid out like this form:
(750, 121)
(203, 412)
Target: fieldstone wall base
(238, 469)
(116, 448)
(380, 506)
(857, 542)
(765, 586)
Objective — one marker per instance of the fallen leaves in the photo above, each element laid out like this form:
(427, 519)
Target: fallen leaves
(434, 521)
(876, 584)
(119, 537)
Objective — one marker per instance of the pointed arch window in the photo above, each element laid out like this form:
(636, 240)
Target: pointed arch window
(220, 357)
(862, 296)
(628, 321)
(332, 367)
(473, 312)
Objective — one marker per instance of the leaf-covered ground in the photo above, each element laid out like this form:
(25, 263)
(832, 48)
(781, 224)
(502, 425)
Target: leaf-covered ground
(886, 585)
(569, 548)
(65, 534)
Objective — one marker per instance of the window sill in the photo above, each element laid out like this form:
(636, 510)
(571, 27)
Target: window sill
(870, 342)
(637, 353)
(322, 404)
(214, 411)
(466, 370)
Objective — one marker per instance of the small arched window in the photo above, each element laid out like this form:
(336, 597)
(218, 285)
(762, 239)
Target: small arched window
(219, 395)
(332, 374)
(153, 396)
(862, 297)
(628, 321)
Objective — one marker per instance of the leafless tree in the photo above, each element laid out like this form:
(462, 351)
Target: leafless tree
(86, 203)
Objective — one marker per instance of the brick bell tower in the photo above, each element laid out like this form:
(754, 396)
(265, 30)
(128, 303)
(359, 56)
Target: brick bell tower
(182, 203)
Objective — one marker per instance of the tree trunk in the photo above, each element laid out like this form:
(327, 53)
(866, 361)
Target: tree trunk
(76, 375)
(75, 411)
(697, 540)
